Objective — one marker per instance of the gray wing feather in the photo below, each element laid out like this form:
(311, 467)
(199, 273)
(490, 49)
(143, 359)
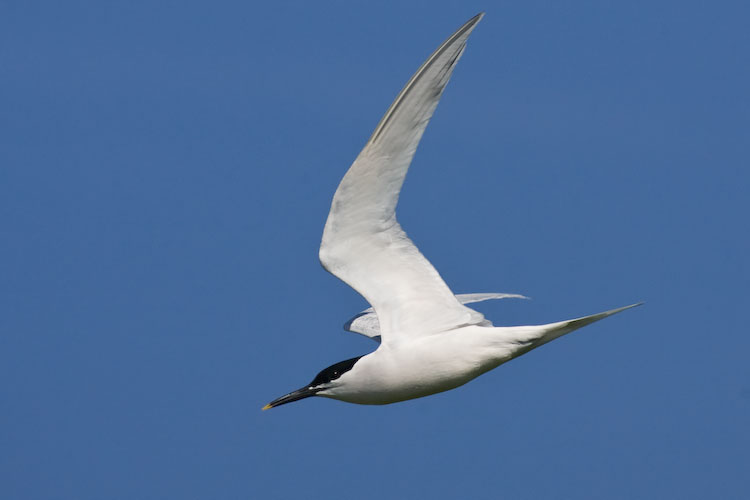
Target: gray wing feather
(366, 322)
(363, 244)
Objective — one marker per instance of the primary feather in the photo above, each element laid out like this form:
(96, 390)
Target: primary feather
(363, 243)
(431, 342)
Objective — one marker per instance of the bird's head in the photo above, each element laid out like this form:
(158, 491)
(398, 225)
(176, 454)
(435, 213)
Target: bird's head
(326, 379)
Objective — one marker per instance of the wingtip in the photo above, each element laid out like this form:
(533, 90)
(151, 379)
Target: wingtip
(474, 20)
(625, 308)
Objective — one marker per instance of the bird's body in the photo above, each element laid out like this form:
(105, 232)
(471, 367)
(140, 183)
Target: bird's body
(422, 366)
(430, 340)
(434, 363)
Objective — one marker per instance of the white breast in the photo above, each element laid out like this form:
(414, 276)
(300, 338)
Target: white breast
(420, 367)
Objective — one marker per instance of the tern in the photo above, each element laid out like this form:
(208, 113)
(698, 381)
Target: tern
(430, 341)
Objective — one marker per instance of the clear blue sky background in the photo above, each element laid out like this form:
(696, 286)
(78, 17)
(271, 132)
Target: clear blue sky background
(165, 172)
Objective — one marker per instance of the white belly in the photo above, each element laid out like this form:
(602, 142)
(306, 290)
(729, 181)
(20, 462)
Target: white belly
(419, 368)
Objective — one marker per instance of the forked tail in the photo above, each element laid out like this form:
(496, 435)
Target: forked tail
(546, 333)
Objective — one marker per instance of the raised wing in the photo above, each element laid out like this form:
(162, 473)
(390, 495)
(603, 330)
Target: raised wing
(363, 244)
(366, 323)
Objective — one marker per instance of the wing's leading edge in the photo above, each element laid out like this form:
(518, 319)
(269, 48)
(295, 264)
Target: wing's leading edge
(363, 244)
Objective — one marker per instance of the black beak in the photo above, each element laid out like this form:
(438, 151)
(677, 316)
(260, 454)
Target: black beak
(303, 393)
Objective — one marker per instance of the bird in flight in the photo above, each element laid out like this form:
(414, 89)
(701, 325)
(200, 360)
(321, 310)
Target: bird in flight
(430, 341)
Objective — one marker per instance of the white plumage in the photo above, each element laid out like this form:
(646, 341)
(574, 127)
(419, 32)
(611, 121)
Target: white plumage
(430, 341)
(366, 322)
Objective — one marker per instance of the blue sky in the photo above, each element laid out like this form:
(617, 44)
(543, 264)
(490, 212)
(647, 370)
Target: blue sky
(165, 173)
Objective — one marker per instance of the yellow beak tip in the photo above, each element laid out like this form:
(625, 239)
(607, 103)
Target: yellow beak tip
(266, 407)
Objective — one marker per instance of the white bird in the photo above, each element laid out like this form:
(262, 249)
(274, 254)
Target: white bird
(430, 341)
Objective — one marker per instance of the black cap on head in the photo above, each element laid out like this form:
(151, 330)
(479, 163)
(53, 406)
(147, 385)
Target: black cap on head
(333, 372)
(325, 376)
